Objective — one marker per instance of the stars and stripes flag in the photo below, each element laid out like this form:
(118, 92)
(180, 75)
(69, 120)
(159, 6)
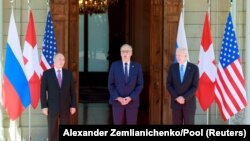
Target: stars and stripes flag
(181, 40)
(49, 48)
(230, 84)
(16, 93)
(31, 61)
(207, 68)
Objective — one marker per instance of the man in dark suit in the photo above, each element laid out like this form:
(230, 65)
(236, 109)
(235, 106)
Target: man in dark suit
(125, 83)
(58, 98)
(182, 83)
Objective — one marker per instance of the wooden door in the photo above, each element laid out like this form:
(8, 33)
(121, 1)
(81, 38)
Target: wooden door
(164, 16)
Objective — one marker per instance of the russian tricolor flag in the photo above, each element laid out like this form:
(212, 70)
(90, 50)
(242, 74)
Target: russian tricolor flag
(181, 40)
(16, 94)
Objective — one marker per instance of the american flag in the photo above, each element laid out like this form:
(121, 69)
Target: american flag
(230, 84)
(49, 48)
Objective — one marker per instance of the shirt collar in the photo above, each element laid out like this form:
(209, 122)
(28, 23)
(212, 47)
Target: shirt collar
(185, 64)
(56, 69)
(126, 62)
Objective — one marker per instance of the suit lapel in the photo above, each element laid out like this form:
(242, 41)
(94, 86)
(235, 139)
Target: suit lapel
(122, 71)
(179, 75)
(131, 70)
(63, 77)
(54, 76)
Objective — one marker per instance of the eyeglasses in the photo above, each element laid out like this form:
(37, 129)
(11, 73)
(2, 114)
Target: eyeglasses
(125, 51)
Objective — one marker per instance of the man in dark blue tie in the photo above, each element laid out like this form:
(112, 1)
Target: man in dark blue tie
(125, 83)
(182, 83)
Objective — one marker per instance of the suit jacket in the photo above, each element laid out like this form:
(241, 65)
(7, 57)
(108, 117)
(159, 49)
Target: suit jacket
(187, 88)
(119, 88)
(57, 99)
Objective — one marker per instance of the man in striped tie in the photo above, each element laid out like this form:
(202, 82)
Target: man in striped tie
(182, 83)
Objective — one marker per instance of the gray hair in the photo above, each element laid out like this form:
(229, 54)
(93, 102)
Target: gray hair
(57, 55)
(182, 50)
(126, 45)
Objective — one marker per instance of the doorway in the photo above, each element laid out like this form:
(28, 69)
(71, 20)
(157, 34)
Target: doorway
(128, 22)
(93, 63)
(101, 36)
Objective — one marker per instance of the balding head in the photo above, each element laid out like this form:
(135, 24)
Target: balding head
(59, 60)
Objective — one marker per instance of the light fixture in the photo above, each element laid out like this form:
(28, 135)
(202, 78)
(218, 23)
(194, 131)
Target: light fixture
(94, 6)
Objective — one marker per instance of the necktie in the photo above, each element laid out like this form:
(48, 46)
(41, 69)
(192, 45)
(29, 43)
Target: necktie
(59, 77)
(182, 73)
(126, 72)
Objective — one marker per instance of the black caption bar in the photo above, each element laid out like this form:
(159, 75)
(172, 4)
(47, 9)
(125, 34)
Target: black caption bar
(212, 132)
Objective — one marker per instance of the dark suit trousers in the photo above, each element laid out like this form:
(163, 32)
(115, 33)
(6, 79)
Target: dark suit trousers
(53, 125)
(120, 112)
(183, 116)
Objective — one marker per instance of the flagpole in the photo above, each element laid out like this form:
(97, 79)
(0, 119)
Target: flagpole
(209, 4)
(216, 36)
(28, 1)
(231, 3)
(231, 9)
(12, 10)
(48, 9)
(182, 9)
(47, 3)
(209, 9)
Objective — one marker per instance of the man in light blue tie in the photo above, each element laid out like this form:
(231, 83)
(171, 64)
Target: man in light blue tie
(182, 83)
(182, 72)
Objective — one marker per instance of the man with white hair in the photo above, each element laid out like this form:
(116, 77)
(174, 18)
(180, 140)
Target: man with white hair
(182, 83)
(58, 99)
(125, 83)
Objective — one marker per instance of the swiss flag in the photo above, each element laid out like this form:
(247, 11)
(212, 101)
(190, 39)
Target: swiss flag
(31, 61)
(207, 68)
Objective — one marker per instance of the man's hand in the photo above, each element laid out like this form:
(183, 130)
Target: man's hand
(124, 101)
(45, 111)
(127, 100)
(180, 100)
(121, 100)
(72, 110)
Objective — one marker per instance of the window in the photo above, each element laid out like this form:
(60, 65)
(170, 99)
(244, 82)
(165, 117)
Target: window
(97, 45)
